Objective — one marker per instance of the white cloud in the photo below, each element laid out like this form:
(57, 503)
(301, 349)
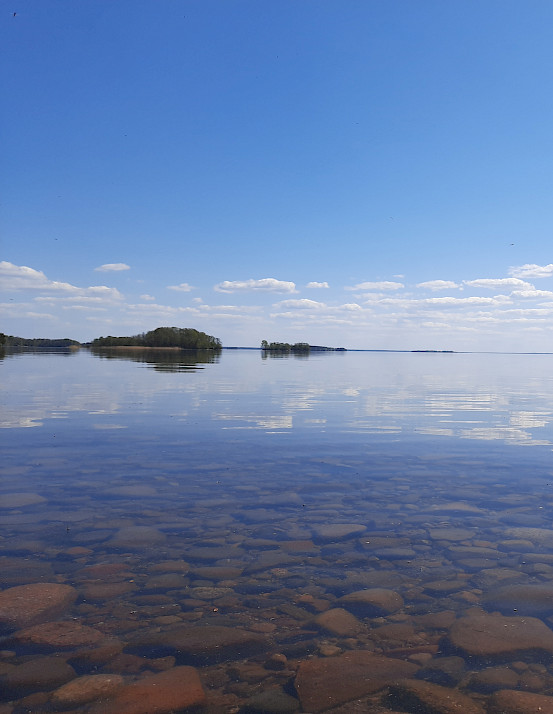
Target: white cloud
(532, 294)
(438, 285)
(147, 297)
(351, 306)
(314, 284)
(269, 285)
(21, 277)
(303, 304)
(531, 270)
(382, 285)
(496, 300)
(112, 267)
(499, 283)
(183, 287)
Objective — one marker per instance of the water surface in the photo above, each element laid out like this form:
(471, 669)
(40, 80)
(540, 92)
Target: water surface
(177, 491)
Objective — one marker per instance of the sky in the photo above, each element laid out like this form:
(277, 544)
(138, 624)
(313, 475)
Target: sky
(371, 174)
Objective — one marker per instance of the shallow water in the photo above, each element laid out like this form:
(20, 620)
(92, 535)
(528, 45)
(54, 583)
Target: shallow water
(174, 492)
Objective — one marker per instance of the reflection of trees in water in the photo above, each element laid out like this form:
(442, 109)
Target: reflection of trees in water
(11, 351)
(279, 354)
(162, 360)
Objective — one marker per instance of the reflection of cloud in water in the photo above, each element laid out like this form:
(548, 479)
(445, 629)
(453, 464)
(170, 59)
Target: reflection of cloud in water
(529, 420)
(433, 431)
(108, 427)
(515, 436)
(257, 422)
(17, 422)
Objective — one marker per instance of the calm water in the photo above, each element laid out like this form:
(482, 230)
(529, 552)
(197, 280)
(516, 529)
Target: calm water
(316, 508)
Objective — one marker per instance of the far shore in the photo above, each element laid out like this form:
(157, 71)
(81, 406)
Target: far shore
(144, 347)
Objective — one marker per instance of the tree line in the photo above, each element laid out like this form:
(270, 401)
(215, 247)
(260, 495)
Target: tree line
(12, 341)
(183, 337)
(285, 346)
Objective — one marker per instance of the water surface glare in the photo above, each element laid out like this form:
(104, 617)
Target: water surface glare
(345, 531)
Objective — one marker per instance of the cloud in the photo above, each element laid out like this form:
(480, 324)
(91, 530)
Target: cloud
(495, 283)
(531, 270)
(268, 285)
(21, 277)
(112, 267)
(183, 287)
(314, 284)
(303, 304)
(147, 297)
(525, 294)
(496, 300)
(383, 285)
(438, 285)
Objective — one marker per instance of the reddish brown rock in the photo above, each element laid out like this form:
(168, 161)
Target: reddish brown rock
(522, 599)
(220, 572)
(374, 602)
(199, 645)
(339, 622)
(136, 538)
(37, 675)
(508, 701)
(414, 696)
(59, 635)
(86, 689)
(103, 571)
(26, 605)
(177, 689)
(91, 658)
(338, 531)
(497, 637)
(96, 592)
(324, 683)
(493, 678)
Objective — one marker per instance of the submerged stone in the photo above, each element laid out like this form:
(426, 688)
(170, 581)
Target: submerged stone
(37, 675)
(373, 602)
(85, 689)
(26, 605)
(177, 689)
(199, 645)
(59, 635)
(509, 701)
(324, 683)
(20, 500)
(522, 599)
(271, 701)
(136, 537)
(416, 696)
(338, 531)
(498, 637)
(339, 622)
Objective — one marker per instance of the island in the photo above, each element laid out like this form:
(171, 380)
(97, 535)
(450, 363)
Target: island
(296, 348)
(185, 338)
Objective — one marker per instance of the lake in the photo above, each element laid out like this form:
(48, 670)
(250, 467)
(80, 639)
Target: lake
(356, 531)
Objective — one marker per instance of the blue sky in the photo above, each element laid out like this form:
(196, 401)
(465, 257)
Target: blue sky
(368, 174)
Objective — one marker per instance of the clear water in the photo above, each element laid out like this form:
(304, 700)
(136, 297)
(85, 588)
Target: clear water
(253, 493)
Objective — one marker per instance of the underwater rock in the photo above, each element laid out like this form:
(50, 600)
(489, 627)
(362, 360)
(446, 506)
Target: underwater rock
(86, 689)
(416, 696)
(374, 602)
(324, 683)
(26, 605)
(199, 645)
(497, 637)
(177, 689)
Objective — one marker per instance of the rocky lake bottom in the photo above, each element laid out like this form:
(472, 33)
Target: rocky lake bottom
(334, 577)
